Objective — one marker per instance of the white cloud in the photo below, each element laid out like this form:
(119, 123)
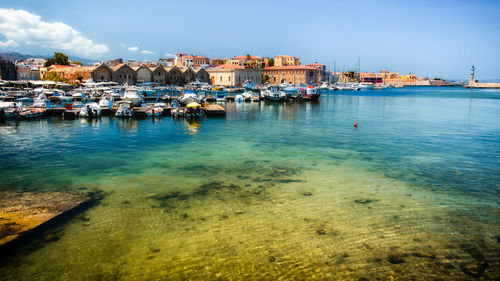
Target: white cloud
(147, 52)
(9, 43)
(20, 27)
(123, 45)
(133, 49)
(169, 55)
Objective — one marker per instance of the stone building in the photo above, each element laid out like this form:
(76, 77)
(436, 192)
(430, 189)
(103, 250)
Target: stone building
(233, 75)
(159, 74)
(286, 60)
(7, 70)
(175, 76)
(202, 75)
(189, 75)
(124, 74)
(102, 73)
(28, 73)
(300, 74)
(143, 74)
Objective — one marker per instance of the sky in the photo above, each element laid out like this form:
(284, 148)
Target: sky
(428, 38)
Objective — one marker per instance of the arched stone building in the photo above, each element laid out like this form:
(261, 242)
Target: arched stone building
(102, 73)
(159, 74)
(143, 74)
(124, 74)
(189, 75)
(202, 75)
(175, 76)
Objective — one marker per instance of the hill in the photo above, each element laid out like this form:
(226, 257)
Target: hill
(13, 56)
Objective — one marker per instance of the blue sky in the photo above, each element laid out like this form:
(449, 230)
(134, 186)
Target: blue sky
(428, 38)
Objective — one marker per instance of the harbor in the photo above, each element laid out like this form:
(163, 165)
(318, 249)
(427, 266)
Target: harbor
(217, 197)
(264, 140)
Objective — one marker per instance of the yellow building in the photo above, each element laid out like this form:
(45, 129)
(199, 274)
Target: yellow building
(286, 60)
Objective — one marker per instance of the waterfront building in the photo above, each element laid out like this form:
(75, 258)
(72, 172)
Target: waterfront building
(299, 74)
(233, 75)
(175, 76)
(201, 61)
(143, 74)
(102, 73)
(249, 61)
(282, 60)
(189, 75)
(202, 75)
(322, 70)
(8, 70)
(159, 74)
(27, 72)
(124, 74)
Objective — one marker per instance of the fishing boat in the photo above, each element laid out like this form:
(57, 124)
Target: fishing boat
(90, 110)
(310, 93)
(221, 97)
(247, 95)
(239, 98)
(106, 102)
(31, 113)
(124, 109)
(365, 85)
(189, 96)
(274, 94)
(131, 95)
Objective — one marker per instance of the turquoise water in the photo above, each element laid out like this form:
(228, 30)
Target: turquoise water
(272, 191)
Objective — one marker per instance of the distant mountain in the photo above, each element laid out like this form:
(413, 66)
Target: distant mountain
(13, 56)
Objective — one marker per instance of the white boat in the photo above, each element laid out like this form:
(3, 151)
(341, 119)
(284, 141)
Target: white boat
(124, 110)
(274, 94)
(91, 110)
(106, 102)
(399, 86)
(189, 96)
(132, 96)
(239, 98)
(324, 86)
(365, 85)
(247, 95)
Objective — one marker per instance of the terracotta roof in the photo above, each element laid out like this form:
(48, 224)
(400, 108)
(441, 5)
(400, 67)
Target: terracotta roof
(289, 67)
(245, 58)
(316, 64)
(229, 66)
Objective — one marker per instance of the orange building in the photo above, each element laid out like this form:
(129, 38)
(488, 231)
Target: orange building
(295, 74)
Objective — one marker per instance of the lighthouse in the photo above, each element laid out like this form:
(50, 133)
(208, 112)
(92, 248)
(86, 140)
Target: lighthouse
(471, 80)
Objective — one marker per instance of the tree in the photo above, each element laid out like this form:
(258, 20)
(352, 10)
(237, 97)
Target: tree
(219, 62)
(265, 78)
(59, 59)
(52, 76)
(270, 62)
(77, 62)
(249, 57)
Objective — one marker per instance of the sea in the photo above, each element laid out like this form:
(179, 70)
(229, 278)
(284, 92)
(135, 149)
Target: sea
(271, 191)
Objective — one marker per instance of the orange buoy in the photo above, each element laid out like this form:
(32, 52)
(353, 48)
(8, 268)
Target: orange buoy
(355, 124)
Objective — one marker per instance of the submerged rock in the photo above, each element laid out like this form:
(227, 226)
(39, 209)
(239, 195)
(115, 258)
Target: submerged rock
(423, 255)
(321, 232)
(363, 201)
(474, 269)
(307, 193)
(396, 259)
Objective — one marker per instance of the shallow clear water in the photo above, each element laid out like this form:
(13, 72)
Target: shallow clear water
(272, 191)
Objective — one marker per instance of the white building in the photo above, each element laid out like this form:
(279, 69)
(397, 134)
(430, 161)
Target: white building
(233, 75)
